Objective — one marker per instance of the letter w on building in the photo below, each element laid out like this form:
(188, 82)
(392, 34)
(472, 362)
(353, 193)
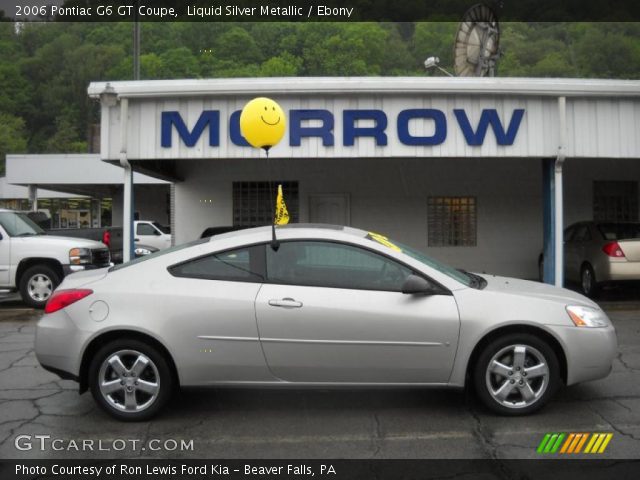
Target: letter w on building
(282, 214)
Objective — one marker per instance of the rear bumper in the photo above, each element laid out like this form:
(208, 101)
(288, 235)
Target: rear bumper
(58, 344)
(618, 271)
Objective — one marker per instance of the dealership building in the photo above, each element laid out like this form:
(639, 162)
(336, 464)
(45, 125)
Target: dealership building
(478, 172)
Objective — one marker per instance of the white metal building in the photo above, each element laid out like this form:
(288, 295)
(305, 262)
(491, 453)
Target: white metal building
(470, 170)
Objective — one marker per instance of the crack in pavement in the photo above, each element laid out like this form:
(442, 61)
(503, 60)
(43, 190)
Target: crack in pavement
(615, 427)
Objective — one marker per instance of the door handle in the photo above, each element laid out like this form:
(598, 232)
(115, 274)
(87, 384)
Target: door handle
(285, 303)
(136, 239)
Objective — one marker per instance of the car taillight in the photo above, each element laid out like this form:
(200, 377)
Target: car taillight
(106, 238)
(63, 298)
(613, 250)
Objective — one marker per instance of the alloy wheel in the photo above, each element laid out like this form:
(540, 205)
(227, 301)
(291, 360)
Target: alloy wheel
(517, 376)
(129, 381)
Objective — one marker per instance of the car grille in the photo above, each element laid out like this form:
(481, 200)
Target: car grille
(100, 257)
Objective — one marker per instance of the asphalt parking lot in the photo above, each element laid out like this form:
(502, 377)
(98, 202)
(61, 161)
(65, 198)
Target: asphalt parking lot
(243, 423)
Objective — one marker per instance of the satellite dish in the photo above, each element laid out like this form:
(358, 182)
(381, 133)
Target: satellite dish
(477, 45)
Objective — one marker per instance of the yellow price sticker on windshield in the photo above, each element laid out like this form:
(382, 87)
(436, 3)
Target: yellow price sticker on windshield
(384, 241)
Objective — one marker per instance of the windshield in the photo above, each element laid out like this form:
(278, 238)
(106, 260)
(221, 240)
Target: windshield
(462, 277)
(159, 253)
(19, 225)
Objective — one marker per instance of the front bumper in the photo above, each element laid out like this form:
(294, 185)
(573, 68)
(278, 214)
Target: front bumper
(69, 269)
(589, 351)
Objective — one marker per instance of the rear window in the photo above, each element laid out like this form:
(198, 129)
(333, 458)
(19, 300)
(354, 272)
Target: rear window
(159, 254)
(619, 231)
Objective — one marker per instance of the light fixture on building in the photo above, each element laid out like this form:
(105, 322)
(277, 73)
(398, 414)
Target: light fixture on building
(433, 62)
(109, 97)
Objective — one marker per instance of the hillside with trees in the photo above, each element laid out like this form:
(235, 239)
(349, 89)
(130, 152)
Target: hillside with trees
(45, 68)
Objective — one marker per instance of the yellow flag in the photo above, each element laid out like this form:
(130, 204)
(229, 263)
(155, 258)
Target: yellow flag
(282, 214)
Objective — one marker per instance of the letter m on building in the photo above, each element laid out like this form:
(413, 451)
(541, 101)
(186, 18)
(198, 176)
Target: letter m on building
(208, 118)
(489, 117)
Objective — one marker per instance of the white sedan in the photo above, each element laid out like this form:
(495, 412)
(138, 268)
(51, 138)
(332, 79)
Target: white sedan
(323, 306)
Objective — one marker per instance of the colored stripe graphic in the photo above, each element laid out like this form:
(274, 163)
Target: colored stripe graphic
(572, 443)
(550, 443)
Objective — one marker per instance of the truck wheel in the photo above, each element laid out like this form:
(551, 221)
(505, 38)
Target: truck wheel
(37, 285)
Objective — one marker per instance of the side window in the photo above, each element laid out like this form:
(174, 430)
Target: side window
(328, 264)
(582, 234)
(568, 233)
(145, 229)
(241, 265)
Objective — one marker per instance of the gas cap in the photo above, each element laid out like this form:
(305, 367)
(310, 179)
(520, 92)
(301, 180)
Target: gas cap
(99, 311)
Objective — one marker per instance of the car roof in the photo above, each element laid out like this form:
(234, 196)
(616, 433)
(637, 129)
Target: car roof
(293, 230)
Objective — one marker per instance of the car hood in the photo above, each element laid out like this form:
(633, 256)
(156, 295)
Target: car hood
(59, 241)
(527, 288)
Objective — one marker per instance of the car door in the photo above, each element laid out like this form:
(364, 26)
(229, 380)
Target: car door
(333, 312)
(212, 298)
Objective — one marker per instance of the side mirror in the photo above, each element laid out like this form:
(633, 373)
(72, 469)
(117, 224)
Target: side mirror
(415, 285)
(157, 233)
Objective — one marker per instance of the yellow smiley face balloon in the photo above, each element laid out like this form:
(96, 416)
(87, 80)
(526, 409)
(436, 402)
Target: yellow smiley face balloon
(262, 123)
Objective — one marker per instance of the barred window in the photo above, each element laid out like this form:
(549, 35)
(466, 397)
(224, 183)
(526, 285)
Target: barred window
(254, 202)
(615, 201)
(452, 221)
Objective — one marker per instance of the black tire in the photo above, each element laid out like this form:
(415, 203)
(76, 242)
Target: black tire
(588, 281)
(515, 403)
(114, 404)
(44, 275)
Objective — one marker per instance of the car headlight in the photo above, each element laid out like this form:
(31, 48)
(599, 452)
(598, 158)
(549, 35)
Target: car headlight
(587, 316)
(141, 251)
(79, 256)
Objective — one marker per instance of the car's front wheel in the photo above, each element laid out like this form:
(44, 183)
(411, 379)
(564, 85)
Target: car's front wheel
(37, 284)
(130, 380)
(516, 374)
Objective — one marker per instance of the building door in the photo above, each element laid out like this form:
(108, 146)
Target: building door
(332, 208)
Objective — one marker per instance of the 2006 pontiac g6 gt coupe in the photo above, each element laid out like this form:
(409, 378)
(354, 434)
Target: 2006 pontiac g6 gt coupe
(322, 306)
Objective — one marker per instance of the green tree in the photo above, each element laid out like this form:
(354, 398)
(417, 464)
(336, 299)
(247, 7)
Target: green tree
(12, 138)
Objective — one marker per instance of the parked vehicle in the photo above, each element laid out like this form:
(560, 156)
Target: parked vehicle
(152, 234)
(34, 263)
(112, 238)
(322, 306)
(600, 253)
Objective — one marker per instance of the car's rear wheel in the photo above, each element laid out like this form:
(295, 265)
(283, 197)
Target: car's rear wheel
(130, 380)
(588, 282)
(516, 374)
(37, 284)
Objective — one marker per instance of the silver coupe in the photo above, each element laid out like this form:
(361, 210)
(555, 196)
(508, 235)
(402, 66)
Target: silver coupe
(320, 306)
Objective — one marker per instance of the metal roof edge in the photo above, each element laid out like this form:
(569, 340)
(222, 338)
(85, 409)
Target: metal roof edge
(370, 85)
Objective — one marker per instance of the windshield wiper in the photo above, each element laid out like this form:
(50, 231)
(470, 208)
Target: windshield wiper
(26, 234)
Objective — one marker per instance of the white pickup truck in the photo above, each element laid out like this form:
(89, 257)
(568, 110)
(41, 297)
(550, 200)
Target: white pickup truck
(35, 263)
